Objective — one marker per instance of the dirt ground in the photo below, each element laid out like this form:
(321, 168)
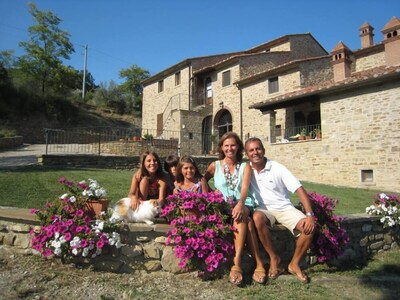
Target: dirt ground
(32, 277)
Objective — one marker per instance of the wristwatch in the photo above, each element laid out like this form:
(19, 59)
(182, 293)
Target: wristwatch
(310, 214)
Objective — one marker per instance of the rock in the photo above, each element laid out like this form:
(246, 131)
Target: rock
(169, 262)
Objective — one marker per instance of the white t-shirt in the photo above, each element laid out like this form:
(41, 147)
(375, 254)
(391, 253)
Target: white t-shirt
(271, 186)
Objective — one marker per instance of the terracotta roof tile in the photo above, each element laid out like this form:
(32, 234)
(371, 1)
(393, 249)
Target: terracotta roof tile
(394, 22)
(311, 90)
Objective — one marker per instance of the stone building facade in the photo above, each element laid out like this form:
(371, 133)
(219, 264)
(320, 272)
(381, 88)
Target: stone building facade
(346, 102)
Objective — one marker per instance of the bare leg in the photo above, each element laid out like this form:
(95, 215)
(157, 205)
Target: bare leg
(261, 223)
(252, 242)
(302, 245)
(239, 239)
(236, 276)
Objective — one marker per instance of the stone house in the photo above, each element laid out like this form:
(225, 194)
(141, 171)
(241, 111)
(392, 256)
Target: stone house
(346, 102)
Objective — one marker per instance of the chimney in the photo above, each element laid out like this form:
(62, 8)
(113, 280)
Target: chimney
(391, 40)
(367, 35)
(341, 62)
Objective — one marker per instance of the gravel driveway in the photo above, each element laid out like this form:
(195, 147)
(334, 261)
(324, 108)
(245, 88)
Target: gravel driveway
(22, 156)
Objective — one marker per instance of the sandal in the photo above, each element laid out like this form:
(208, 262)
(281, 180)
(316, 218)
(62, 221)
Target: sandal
(236, 277)
(259, 275)
(274, 274)
(300, 276)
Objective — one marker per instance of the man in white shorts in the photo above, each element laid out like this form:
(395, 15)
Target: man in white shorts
(271, 182)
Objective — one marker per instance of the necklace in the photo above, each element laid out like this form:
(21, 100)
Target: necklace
(231, 179)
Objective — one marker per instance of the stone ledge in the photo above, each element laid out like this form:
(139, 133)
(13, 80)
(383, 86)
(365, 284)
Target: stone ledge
(11, 142)
(144, 245)
(18, 215)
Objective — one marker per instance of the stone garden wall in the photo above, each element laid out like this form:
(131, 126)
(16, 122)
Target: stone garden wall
(109, 162)
(144, 245)
(10, 142)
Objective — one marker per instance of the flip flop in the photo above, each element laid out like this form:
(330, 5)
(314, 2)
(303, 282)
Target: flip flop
(259, 275)
(274, 274)
(235, 276)
(300, 276)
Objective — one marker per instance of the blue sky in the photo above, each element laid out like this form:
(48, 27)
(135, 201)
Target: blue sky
(156, 34)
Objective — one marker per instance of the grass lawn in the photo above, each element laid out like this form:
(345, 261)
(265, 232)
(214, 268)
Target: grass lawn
(31, 187)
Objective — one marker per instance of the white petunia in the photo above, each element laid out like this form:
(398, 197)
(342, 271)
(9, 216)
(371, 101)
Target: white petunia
(56, 244)
(85, 252)
(64, 196)
(57, 251)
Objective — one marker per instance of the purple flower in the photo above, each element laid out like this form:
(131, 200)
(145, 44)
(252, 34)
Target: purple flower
(79, 213)
(68, 236)
(100, 244)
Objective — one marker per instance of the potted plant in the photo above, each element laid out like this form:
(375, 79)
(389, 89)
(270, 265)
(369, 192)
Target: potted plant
(310, 135)
(303, 134)
(317, 132)
(202, 235)
(388, 207)
(70, 228)
(148, 137)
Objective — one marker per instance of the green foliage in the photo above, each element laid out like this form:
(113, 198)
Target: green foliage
(133, 85)
(6, 132)
(7, 58)
(111, 96)
(47, 45)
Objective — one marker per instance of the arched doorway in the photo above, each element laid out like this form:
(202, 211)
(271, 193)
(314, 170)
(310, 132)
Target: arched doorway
(206, 134)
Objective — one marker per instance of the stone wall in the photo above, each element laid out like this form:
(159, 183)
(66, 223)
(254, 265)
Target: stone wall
(136, 148)
(11, 142)
(144, 245)
(107, 162)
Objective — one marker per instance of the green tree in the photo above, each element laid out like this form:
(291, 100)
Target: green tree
(7, 58)
(133, 87)
(110, 96)
(47, 45)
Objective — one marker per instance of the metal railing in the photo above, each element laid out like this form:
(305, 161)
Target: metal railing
(307, 130)
(176, 102)
(92, 140)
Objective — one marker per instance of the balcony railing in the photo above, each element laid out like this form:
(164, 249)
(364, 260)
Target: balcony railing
(313, 131)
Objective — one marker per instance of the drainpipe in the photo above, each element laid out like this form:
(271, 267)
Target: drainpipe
(190, 89)
(240, 112)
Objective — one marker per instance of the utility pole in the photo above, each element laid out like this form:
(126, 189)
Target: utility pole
(84, 73)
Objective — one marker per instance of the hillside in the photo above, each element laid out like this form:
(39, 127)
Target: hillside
(31, 126)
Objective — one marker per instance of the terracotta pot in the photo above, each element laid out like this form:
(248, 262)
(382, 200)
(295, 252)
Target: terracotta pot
(95, 207)
(189, 212)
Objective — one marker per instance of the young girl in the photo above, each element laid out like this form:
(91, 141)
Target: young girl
(149, 181)
(170, 166)
(188, 177)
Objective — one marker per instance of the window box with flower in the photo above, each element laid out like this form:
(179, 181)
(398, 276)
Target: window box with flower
(202, 236)
(71, 227)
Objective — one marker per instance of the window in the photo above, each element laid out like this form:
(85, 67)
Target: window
(177, 78)
(226, 78)
(273, 85)
(208, 87)
(161, 86)
(367, 176)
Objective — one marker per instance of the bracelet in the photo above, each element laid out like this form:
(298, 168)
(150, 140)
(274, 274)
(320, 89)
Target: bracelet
(310, 214)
